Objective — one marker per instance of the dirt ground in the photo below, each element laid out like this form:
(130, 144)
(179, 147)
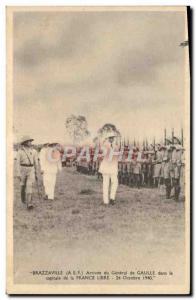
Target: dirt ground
(77, 232)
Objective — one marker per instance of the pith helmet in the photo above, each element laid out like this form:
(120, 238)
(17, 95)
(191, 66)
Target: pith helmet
(110, 134)
(26, 138)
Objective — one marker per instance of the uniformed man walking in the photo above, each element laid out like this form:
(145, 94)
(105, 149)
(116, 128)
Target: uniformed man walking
(27, 169)
(109, 169)
(50, 163)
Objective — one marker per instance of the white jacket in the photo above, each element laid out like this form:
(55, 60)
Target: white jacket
(49, 165)
(109, 166)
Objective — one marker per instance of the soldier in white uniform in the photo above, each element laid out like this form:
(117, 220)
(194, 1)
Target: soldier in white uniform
(27, 169)
(109, 169)
(50, 163)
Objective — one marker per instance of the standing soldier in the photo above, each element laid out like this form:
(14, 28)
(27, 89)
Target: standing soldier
(157, 165)
(167, 170)
(176, 164)
(120, 172)
(151, 159)
(182, 172)
(137, 168)
(109, 169)
(144, 168)
(50, 162)
(163, 150)
(27, 169)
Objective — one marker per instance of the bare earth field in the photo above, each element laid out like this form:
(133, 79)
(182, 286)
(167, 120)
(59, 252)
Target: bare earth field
(76, 232)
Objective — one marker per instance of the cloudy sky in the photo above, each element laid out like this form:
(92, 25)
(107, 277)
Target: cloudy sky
(124, 68)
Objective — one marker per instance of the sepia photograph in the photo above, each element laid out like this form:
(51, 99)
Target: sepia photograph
(98, 150)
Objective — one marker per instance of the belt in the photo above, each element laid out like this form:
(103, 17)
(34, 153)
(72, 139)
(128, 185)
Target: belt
(25, 165)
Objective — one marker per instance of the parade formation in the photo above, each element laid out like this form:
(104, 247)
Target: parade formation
(156, 166)
(160, 166)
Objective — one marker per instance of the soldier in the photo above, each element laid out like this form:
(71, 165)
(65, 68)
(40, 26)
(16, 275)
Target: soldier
(50, 162)
(163, 150)
(109, 169)
(182, 171)
(176, 166)
(157, 165)
(129, 173)
(120, 172)
(167, 169)
(27, 170)
(124, 172)
(150, 165)
(144, 168)
(137, 167)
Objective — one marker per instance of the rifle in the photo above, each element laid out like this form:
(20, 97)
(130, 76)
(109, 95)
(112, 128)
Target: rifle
(165, 137)
(182, 138)
(172, 136)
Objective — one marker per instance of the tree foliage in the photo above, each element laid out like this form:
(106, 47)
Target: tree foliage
(77, 128)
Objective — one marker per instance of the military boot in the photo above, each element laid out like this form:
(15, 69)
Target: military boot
(29, 201)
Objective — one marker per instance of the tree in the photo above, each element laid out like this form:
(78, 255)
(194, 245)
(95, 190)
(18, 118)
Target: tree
(77, 128)
(108, 128)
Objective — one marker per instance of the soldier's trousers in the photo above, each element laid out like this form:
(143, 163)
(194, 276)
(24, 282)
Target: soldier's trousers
(144, 178)
(168, 187)
(176, 183)
(27, 179)
(137, 180)
(107, 179)
(156, 181)
(49, 180)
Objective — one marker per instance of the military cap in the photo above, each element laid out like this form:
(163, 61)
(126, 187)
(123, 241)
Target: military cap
(26, 138)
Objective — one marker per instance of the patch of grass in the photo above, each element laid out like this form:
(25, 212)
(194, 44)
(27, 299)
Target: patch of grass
(86, 192)
(75, 211)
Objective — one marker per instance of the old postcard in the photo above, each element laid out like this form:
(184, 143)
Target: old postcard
(98, 150)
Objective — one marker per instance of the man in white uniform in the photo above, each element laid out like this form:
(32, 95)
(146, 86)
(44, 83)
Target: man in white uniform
(50, 163)
(109, 168)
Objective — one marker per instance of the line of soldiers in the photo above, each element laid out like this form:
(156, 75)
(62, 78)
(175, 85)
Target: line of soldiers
(161, 166)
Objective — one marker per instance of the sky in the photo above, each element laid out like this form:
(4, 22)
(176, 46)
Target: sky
(124, 68)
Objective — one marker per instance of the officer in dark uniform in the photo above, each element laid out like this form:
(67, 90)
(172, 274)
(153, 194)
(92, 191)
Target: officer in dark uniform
(27, 169)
